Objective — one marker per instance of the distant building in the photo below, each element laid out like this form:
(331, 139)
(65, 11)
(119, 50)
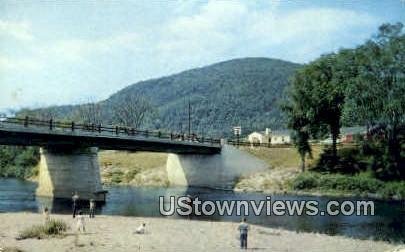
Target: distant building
(347, 135)
(258, 138)
(281, 137)
(270, 137)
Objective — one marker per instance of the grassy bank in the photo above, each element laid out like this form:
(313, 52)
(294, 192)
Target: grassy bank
(284, 176)
(285, 157)
(134, 168)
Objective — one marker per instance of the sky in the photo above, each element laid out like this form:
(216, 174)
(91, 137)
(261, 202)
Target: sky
(69, 52)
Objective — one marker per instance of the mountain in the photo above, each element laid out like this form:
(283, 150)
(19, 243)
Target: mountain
(243, 92)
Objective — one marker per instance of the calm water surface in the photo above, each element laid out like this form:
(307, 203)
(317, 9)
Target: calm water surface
(388, 223)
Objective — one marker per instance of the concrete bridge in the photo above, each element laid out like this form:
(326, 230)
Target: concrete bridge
(69, 150)
(69, 159)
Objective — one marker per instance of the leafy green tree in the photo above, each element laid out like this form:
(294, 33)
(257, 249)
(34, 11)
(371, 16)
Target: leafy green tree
(299, 119)
(375, 95)
(319, 98)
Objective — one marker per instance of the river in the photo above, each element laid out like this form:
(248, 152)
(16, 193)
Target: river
(388, 223)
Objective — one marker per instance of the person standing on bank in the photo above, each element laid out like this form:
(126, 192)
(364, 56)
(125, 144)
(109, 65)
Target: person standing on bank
(46, 215)
(80, 222)
(243, 229)
(92, 208)
(75, 199)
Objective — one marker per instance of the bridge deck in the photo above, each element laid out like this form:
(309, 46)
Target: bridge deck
(31, 132)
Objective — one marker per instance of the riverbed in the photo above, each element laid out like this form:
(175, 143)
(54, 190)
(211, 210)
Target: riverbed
(116, 233)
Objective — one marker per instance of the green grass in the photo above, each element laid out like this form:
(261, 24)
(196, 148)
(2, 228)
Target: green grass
(338, 183)
(285, 157)
(122, 167)
(51, 228)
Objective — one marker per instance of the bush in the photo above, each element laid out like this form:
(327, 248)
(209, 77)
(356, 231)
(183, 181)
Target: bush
(117, 177)
(11, 249)
(18, 162)
(349, 161)
(130, 175)
(306, 180)
(52, 227)
(393, 189)
(358, 184)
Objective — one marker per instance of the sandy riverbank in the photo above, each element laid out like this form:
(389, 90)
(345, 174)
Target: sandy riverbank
(115, 233)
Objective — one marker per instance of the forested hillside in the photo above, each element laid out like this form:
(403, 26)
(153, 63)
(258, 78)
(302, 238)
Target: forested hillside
(242, 92)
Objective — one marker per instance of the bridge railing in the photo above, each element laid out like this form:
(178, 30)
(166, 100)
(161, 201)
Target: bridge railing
(116, 130)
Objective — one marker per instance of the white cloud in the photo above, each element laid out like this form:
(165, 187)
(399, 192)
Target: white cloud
(10, 64)
(80, 49)
(198, 33)
(307, 24)
(16, 30)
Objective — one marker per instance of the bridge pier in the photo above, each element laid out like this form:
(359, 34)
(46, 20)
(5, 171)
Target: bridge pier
(64, 170)
(214, 171)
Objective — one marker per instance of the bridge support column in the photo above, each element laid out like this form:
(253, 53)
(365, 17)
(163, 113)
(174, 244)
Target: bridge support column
(215, 171)
(64, 170)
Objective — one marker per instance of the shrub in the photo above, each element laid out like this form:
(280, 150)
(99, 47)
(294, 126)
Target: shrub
(117, 177)
(11, 249)
(362, 183)
(344, 183)
(18, 162)
(306, 180)
(349, 161)
(130, 175)
(393, 189)
(52, 227)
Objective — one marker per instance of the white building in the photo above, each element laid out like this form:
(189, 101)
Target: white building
(270, 137)
(281, 137)
(258, 138)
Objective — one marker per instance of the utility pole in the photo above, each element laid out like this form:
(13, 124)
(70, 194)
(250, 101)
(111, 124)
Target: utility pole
(189, 118)
(237, 131)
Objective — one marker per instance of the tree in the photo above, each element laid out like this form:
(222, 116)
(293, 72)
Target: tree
(132, 111)
(300, 138)
(90, 113)
(300, 124)
(317, 97)
(376, 93)
(40, 114)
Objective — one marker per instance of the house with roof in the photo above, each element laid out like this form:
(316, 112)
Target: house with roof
(348, 135)
(259, 138)
(281, 137)
(270, 137)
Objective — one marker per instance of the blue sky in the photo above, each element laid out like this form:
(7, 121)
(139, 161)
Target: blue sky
(62, 52)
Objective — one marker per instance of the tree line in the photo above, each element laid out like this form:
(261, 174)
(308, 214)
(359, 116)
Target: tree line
(360, 86)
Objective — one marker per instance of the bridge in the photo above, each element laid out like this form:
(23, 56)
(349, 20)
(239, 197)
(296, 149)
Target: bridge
(44, 133)
(69, 152)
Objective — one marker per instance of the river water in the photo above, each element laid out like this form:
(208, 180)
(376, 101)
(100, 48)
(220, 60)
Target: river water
(388, 223)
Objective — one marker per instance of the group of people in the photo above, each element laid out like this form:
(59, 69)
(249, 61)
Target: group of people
(75, 206)
(243, 226)
(77, 212)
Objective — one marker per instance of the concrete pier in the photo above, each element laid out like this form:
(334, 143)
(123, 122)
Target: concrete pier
(215, 171)
(65, 170)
